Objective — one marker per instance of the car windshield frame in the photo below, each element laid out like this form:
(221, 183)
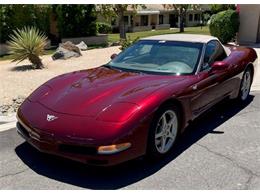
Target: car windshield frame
(196, 45)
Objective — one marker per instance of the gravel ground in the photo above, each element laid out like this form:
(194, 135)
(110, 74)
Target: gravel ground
(19, 80)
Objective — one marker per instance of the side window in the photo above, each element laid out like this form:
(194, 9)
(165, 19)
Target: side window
(214, 52)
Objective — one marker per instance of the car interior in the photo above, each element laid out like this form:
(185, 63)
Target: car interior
(165, 58)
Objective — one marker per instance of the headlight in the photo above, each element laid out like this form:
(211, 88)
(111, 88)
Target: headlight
(118, 112)
(112, 149)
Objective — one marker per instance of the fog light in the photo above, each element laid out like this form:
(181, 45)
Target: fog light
(112, 149)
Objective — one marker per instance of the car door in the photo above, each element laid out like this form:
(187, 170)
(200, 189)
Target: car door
(208, 89)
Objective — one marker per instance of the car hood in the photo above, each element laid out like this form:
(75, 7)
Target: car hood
(88, 92)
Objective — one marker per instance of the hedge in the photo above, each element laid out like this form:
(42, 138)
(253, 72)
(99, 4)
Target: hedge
(224, 25)
(17, 16)
(76, 20)
(104, 28)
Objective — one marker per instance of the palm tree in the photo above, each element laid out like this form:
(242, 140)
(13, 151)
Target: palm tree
(182, 10)
(29, 43)
(118, 10)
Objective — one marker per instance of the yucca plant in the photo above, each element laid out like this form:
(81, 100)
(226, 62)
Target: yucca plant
(28, 42)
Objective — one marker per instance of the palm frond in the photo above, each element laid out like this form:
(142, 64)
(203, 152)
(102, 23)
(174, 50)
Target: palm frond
(27, 42)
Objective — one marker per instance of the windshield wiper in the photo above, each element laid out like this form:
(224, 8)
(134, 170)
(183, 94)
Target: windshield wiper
(107, 66)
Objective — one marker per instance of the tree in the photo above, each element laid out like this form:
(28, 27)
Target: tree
(118, 10)
(20, 15)
(182, 10)
(215, 8)
(75, 20)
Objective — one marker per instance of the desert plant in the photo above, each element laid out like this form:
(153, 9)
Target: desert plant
(224, 25)
(27, 42)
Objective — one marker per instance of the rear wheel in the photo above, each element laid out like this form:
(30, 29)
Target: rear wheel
(245, 85)
(164, 131)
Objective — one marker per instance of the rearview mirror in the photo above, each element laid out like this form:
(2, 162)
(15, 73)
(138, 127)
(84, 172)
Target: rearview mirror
(113, 56)
(218, 66)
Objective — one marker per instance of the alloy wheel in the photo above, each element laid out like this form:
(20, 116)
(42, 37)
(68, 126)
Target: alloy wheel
(245, 87)
(166, 131)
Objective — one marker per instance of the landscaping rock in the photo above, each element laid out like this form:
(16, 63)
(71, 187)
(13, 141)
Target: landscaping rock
(82, 46)
(71, 47)
(4, 108)
(117, 43)
(66, 50)
(8, 109)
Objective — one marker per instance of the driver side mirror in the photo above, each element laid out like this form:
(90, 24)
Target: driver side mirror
(113, 56)
(218, 66)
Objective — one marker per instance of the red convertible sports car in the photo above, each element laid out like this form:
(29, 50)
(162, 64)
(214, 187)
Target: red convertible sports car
(138, 103)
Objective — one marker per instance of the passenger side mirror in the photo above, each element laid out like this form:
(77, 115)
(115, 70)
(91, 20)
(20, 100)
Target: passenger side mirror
(218, 66)
(113, 56)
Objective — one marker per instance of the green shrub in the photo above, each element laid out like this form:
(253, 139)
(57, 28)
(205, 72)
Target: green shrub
(27, 43)
(215, 8)
(103, 27)
(127, 42)
(76, 20)
(20, 15)
(224, 25)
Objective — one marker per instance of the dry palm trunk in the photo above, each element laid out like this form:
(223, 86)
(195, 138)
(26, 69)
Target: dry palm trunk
(36, 61)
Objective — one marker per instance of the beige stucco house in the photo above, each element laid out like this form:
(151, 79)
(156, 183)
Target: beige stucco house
(155, 16)
(249, 29)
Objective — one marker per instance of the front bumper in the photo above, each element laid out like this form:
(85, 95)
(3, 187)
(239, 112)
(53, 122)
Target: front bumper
(48, 143)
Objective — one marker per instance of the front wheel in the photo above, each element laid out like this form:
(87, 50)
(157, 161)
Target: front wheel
(245, 85)
(164, 131)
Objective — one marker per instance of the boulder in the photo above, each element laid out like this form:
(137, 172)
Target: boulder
(66, 50)
(82, 46)
(117, 43)
(71, 47)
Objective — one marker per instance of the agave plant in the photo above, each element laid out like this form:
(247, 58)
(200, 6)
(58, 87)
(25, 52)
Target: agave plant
(29, 43)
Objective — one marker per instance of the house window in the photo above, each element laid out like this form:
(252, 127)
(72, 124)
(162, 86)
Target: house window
(126, 20)
(190, 17)
(160, 19)
(144, 20)
(196, 17)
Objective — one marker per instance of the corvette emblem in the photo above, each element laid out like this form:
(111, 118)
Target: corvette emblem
(51, 117)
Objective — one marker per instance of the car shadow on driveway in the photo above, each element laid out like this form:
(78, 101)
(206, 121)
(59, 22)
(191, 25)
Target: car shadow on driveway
(130, 172)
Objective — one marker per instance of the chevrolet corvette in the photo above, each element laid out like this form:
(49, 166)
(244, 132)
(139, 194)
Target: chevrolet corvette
(138, 103)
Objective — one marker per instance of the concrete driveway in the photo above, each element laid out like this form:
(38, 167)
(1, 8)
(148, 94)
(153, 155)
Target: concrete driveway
(220, 150)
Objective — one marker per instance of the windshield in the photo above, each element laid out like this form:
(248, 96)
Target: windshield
(164, 57)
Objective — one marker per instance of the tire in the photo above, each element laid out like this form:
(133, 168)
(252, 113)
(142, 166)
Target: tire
(167, 135)
(245, 85)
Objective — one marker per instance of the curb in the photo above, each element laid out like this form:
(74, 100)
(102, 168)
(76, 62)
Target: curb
(7, 126)
(9, 118)
(8, 121)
